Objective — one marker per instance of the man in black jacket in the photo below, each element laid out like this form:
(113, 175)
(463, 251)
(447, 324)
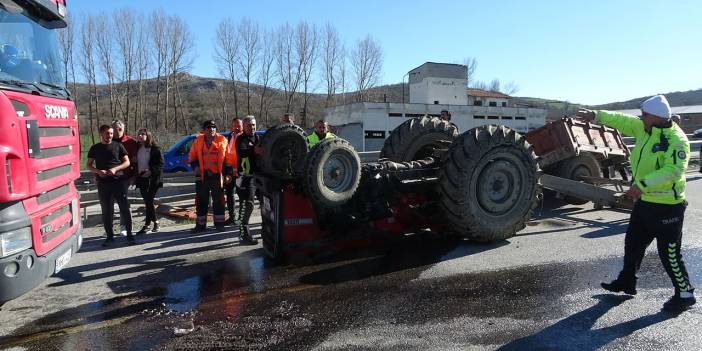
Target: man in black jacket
(108, 160)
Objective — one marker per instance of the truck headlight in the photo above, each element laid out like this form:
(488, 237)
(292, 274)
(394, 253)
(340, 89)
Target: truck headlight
(15, 241)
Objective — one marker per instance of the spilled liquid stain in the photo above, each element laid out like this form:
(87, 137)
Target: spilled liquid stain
(243, 303)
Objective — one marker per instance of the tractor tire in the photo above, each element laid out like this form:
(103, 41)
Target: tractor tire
(417, 138)
(285, 147)
(573, 168)
(489, 184)
(332, 174)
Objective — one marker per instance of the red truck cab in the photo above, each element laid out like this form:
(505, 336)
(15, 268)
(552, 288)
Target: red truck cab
(40, 228)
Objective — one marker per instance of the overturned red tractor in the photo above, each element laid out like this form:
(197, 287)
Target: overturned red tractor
(481, 185)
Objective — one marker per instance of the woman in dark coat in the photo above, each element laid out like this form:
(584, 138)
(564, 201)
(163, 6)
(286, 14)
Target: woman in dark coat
(149, 177)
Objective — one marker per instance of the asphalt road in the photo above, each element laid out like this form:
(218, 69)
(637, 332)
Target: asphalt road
(538, 290)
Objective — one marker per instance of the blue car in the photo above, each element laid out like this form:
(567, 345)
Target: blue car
(175, 159)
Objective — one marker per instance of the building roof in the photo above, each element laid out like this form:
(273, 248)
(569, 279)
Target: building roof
(676, 110)
(484, 93)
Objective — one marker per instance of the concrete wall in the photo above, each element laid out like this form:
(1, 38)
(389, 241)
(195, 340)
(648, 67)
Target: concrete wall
(443, 91)
(438, 83)
(485, 101)
(353, 133)
(372, 122)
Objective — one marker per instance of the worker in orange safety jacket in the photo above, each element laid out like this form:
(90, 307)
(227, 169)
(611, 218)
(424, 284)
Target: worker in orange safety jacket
(210, 162)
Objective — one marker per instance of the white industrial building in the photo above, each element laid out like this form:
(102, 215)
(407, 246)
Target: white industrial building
(432, 87)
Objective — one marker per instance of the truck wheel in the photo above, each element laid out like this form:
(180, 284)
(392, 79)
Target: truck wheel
(332, 173)
(417, 138)
(284, 149)
(489, 183)
(583, 165)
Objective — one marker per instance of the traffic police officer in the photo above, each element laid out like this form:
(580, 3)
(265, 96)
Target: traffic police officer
(247, 150)
(207, 157)
(658, 163)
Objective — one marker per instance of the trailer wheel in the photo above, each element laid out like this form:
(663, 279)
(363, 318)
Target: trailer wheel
(332, 173)
(583, 165)
(417, 138)
(284, 150)
(489, 183)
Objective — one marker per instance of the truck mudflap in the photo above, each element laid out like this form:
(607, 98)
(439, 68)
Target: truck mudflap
(24, 271)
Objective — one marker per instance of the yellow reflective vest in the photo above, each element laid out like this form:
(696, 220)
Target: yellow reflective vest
(314, 138)
(659, 159)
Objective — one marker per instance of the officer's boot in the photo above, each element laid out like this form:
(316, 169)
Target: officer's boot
(244, 235)
(627, 286)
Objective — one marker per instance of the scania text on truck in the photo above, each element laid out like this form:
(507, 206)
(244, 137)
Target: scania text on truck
(40, 228)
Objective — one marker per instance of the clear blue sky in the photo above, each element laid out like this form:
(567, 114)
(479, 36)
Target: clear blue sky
(589, 52)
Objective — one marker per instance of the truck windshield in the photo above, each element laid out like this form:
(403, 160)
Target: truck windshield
(29, 56)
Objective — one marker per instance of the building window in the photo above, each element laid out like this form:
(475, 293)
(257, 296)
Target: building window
(478, 117)
(493, 104)
(506, 117)
(493, 117)
(394, 114)
(477, 103)
(520, 118)
(504, 104)
(414, 115)
(436, 102)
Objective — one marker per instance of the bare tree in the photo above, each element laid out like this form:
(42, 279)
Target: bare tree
(288, 67)
(157, 24)
(86, 60)
(494, 85)
(307, 52)
(343, 75)
(478, 84)
(143, 63)
(226, 50)
(180, 60)
(126, 37)
(222, 101)
(66, 38)
(510, 88)
(248, 54)
(332, 55)
(265, 74)
(104, 44)
(367, 64)
(471, 64)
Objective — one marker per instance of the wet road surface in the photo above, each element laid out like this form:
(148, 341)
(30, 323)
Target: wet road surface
(539, 290)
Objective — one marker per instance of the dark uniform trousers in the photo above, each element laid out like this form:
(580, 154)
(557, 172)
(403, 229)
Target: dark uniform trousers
(246, 192)
(203, 188)
(664, 223)
(108, 193)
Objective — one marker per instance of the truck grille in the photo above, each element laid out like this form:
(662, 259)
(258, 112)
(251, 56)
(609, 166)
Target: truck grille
(54, 131)
(53, 172)
(48, 232)
(52, 194)
(51, 216)
(54, 152)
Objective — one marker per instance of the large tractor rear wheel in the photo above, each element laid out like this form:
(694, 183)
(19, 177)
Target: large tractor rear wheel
(284, 150)
(574, 168)
(332, 174)
(489, 183)
(417, 138)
